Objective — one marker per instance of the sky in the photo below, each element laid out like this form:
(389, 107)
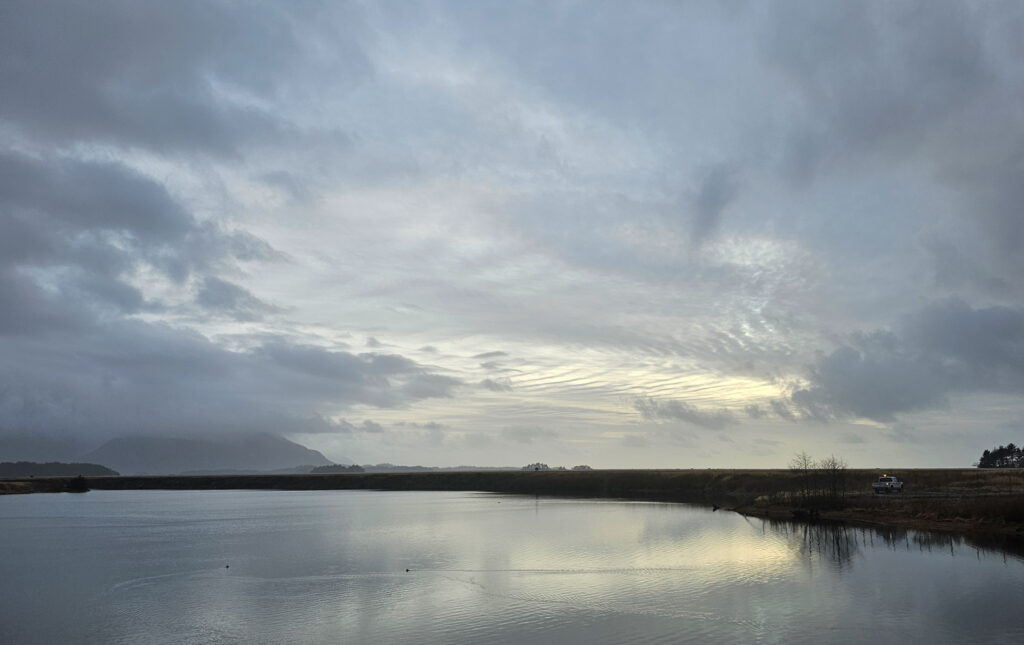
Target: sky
(629, 235)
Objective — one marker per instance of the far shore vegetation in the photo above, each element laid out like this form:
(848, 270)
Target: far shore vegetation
(965, 501)
(14, 469)
(1008, 456)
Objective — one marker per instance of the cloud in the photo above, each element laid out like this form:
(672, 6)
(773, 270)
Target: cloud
(143, 378)
(918, 87)
(717, 188)
(195, 78)
(946, 347)
(527, 434)
(497, 385)
(636, 441)
(682, 411)
(77, 234)
(754, 411)
(983, 346)
(779, 218)
(782, 410)
(874, 76)
(383, 380)
(874, 380)
(495, 354)
(343, 426)
(83, 195)
(428, 386)
(221, 296)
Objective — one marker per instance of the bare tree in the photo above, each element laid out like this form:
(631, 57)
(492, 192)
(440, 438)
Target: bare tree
(802, 464)
(834, 473)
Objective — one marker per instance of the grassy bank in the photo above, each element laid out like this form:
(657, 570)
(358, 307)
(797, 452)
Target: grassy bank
(967, 500)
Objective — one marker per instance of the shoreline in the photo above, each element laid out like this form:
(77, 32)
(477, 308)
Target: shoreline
(960, 501)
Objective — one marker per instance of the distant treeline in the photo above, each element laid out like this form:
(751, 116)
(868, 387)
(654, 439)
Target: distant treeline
(539, 466)
(395, 468)
(337, 468)
(1008, 456)
(53, 469)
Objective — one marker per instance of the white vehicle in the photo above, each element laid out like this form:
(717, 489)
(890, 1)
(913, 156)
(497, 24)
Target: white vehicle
(888, 484)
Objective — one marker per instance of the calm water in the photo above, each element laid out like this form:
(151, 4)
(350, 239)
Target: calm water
(330, 567)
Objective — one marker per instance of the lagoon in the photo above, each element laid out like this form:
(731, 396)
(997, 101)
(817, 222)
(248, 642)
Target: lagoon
(196, 567)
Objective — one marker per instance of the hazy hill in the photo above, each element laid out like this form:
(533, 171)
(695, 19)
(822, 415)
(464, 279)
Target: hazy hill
(167, 455)
(53, 469)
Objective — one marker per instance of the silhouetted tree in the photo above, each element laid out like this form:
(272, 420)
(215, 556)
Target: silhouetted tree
(819, 484)
(1008, 456)
(834, 471)
(802, 464)
(537, 466)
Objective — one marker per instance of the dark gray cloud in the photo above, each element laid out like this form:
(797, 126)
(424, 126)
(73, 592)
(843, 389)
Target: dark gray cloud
(223, 297)
(754, 411)
(104, 220)
(922, 85)
(428, 386)
(80, 196)
(874, 378)
(76, 236)
(25, 309)
(945, 348)
(782, 410)
(985, 344)
(877, 78)
(193, 77)
(497, 385)
(494, 354)
(675, 410)
(717, 187)
(135, 377)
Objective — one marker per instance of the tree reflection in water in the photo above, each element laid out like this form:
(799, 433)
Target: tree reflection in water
(837, 543)
(832, 542)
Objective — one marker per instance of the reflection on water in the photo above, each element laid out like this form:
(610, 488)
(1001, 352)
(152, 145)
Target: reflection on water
(418, 567)
(830, 542)
(839, 544)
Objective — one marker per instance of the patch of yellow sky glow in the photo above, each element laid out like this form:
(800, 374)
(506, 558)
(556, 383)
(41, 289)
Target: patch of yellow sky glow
(558, 384)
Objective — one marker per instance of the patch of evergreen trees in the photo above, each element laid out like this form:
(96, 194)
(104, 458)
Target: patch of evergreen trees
(1008, 456)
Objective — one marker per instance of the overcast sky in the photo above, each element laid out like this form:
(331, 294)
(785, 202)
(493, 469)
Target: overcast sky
(626, 234)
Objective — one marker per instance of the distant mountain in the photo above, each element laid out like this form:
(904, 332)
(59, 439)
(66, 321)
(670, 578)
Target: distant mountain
(53, 469)
(171, 455)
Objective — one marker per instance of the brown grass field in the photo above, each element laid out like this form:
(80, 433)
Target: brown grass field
(952, 500)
